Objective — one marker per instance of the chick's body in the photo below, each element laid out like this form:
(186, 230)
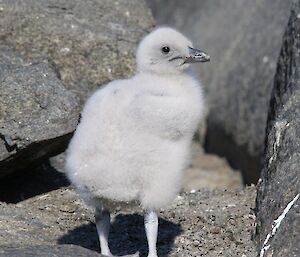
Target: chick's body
(134, 138)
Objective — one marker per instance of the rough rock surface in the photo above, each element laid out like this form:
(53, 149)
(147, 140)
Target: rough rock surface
(280, 178)
(206, 223)
(244, 39)
(37, 114)
(9, 59)
(90, 42)
(47, 251)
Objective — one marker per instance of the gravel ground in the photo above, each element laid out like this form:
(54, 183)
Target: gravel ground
(203, 223)
(206, 219)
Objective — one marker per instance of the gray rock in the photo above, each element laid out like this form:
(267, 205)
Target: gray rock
(206, 223)
(37, 114)
(244, 39)
(280, 178)
(48, 251)
(9, 59)
(90, 42)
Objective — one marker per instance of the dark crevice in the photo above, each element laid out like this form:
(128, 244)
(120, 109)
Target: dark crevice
(237, 156)
(32, 181)
(34, 154)
(9, 144)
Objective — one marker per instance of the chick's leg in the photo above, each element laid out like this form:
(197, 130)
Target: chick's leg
(151, 227)
(102, 217)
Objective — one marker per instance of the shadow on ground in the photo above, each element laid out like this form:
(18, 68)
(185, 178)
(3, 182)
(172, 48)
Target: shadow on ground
(127, 236)
(31, 182)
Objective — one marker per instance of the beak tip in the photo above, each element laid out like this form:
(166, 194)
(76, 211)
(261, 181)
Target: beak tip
(197, 56)
(206, 57)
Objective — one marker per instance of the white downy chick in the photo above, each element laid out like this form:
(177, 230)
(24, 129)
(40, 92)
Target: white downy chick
(134, 137)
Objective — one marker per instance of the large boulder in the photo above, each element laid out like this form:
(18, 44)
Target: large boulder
(278, 203)
(244, 39)
(37, 114)
(89, 42)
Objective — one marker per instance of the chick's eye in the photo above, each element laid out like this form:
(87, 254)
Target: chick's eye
(165, 49)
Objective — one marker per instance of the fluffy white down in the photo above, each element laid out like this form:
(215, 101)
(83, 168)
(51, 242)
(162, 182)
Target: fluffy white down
(134, 139)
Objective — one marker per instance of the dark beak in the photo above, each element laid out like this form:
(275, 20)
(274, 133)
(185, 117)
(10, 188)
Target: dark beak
(196, 56)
